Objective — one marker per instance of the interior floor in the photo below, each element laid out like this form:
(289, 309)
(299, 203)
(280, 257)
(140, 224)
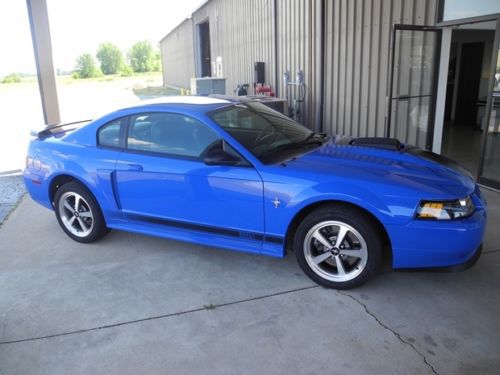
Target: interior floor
(491, 169)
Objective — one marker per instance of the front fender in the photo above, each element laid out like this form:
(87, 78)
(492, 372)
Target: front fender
(295, 197)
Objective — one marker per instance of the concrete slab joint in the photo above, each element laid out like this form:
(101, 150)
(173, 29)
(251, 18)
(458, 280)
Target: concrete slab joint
(395, 333)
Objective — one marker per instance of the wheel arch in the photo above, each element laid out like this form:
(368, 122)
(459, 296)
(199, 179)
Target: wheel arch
(62, 179)
(300, 215)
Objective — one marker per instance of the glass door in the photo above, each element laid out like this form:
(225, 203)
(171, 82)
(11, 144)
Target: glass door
(490, 161)
(413, 84)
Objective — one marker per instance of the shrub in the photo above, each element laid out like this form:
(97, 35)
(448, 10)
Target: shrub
(126, 71)
(12, 78)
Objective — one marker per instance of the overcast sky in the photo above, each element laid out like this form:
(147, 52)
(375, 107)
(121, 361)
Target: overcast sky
(79, 26)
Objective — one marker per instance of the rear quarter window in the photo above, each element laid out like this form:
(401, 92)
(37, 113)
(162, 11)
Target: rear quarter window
(109, 134)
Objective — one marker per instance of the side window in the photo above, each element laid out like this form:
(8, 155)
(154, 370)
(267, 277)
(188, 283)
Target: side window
(169, 133)
(109, 134)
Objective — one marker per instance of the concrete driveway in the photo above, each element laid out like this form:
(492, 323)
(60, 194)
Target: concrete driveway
(131, 304)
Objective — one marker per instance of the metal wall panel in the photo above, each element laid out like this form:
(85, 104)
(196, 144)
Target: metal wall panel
(356, 52)
(241, 33)
(357, 46)
(297, 51)
(177, 52)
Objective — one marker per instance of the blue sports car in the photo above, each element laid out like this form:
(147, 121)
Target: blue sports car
(235, 174)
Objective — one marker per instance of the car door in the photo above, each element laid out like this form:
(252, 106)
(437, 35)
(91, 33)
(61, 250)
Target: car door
(161, 178)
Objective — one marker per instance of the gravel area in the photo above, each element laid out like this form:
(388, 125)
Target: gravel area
(11, 191)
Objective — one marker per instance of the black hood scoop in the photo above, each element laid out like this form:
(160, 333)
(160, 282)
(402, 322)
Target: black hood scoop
(378, 142)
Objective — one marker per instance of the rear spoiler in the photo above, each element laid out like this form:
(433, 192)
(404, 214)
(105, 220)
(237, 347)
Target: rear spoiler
(54, 130)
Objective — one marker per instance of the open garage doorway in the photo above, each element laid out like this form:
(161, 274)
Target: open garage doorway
(467, 92)
(205, 62)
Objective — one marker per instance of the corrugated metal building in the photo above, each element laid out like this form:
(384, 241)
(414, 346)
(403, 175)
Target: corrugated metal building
(243, 32)
(371, 67)
(357, 60)
(346, 87)
(177, 55)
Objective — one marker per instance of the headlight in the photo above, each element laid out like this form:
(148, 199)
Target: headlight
(445, 210)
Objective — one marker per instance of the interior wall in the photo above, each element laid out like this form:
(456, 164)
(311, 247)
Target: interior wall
(459, 37)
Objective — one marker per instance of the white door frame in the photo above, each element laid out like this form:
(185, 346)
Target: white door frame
(441, 89)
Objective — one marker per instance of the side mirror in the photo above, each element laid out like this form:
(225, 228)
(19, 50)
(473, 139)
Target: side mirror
(216, 155)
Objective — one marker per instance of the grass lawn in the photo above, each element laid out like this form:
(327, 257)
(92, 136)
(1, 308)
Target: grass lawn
(145, 84)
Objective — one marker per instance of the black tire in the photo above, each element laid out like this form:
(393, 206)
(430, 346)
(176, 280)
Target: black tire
(88, 224)
(362, 242)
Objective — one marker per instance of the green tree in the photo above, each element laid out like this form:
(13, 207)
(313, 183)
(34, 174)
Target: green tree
(86, 67)
(156, 64)
(110, 57)
(141, 57)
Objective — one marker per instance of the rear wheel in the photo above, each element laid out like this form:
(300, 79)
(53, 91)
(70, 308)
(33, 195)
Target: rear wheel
(78, 213)
(338, 247)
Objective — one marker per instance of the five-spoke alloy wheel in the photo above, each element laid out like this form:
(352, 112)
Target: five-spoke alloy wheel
(78, 213)
(337, 247)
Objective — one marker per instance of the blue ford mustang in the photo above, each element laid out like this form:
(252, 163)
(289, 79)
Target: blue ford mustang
(238, 175)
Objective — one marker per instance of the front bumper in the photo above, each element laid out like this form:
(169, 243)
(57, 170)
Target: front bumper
(437, 244)
(455, 268)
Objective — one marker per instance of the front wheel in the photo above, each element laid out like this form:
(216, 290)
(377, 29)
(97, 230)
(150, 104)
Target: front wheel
(78, 213)
(338, 247)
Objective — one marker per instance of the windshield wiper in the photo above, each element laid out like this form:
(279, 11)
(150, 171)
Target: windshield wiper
(308, 141)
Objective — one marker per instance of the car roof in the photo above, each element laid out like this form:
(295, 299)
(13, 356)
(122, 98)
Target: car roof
(200, 103)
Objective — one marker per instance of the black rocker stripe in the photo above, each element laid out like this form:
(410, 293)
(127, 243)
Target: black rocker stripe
(207, 228)
(274, 239)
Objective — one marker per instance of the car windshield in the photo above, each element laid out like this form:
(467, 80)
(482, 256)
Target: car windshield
(267, 134)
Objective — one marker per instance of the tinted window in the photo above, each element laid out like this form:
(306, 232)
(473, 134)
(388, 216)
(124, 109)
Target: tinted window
(169, 133)
(109, 134)
(267, 134)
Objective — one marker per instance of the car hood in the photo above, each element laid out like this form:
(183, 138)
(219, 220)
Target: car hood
(398, 172)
